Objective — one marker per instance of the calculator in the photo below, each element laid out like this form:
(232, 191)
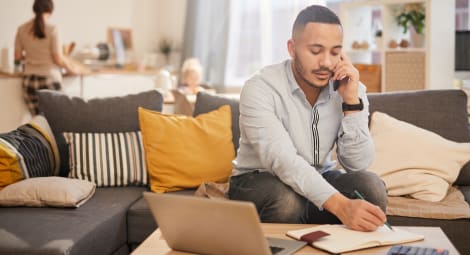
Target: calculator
(415, 250)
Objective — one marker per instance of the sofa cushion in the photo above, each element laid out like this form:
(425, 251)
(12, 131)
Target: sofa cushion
(464, 177)
(206, 103)
(443, 112)
(47, 191)
(112, 114)
(118, 158)
(403, 161)
(182, 152)
(97, 227)
(466, 192)
(453, 206)
(73, 114)
(29, 151)
(140, 220)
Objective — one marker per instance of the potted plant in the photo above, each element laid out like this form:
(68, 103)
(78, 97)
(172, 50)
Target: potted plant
(413, 15)
(378, 39)
(165, 47)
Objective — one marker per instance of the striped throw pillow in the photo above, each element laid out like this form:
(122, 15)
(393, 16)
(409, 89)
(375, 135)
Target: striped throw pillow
(107, 159)
(29, 151)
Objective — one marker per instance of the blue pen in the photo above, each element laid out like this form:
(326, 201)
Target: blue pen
(362, 198)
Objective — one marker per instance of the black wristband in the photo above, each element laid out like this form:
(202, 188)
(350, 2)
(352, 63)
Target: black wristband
(353, 107)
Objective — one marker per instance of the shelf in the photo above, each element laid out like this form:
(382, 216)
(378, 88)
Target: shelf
(364, 51)
(417, 67)
(405, 50)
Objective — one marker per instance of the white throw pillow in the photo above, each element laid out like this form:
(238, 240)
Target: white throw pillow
(47, 191)
(414, 161)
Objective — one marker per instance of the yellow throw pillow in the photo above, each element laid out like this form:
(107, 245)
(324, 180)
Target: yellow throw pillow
(182, 152)
(414, 161)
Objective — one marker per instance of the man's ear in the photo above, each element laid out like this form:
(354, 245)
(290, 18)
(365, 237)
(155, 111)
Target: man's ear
(291, 47)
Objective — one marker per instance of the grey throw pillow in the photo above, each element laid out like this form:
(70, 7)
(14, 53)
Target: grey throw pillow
(113, 114)
(206, 103)
(73, 114)
(443, 112)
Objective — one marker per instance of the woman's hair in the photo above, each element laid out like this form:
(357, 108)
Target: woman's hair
(40, 7)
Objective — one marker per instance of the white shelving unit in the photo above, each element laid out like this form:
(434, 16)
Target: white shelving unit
(430, 66)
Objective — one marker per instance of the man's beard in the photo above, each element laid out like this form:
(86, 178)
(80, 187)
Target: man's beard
(300, 70)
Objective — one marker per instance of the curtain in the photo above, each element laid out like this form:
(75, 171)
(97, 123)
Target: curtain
(258, 35)
(206, 37)
(235, 38)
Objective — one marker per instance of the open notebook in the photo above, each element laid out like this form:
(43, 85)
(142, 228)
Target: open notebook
(339, 239)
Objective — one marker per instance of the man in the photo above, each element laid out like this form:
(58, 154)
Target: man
(290, 118)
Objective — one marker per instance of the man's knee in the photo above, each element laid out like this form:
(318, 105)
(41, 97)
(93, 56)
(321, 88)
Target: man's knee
(371, 187)
(274, 200)
(283, 205)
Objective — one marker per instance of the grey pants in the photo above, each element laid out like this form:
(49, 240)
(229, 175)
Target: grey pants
(277, 202)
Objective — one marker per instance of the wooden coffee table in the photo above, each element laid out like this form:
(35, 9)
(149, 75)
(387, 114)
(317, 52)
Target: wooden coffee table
(433, 237)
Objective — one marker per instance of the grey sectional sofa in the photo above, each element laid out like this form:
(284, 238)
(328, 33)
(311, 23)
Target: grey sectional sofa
(116, 220)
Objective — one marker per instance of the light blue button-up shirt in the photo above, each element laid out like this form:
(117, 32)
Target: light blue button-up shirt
(283, 134)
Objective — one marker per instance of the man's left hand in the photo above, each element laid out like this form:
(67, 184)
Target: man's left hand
(348, 76)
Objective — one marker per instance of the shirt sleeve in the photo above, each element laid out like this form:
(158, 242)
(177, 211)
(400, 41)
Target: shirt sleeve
(355, 148)
(273, 145)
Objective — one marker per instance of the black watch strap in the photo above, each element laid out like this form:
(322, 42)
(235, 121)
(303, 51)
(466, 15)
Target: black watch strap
(353, 107)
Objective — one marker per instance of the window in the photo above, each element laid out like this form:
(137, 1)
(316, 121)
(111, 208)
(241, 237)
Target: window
(258, 35)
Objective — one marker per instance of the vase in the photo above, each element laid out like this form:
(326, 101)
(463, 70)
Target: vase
(417, 40)
(378, 42)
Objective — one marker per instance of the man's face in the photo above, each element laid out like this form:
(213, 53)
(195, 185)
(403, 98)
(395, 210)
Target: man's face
(315, 51)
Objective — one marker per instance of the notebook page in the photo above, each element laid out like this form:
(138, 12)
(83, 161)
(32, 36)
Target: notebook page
(342, 239)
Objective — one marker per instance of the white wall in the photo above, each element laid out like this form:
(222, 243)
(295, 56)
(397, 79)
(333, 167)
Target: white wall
(86, 21)
(441, 44)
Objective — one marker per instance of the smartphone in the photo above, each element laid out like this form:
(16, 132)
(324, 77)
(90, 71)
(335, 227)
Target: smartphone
(337, 83)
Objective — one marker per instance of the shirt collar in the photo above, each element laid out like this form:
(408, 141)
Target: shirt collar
(325, 94)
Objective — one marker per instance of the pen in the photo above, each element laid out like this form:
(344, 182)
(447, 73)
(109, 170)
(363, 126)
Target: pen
(362, 198)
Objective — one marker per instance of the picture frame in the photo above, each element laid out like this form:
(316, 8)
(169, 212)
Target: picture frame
(125, 35)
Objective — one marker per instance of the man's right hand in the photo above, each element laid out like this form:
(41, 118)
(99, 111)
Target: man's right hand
(354, 213)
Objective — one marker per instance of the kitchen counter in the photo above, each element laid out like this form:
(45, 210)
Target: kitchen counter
(110, 71)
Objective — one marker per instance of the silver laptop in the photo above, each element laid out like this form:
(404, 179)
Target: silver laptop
(205, 226)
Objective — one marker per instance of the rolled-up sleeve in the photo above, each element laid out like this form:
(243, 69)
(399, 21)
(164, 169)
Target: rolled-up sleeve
(355, 146)
(265, 132)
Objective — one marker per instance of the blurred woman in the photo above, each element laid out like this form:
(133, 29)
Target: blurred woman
(38, 45)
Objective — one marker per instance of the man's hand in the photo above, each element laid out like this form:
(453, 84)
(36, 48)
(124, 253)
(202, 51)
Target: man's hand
(354, 213)
(348, 75)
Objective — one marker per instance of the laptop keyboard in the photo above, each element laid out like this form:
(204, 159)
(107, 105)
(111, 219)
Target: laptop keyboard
(415, 250)
(275, 250)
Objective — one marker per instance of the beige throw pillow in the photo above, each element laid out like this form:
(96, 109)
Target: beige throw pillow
(414, 161)
(47, 191)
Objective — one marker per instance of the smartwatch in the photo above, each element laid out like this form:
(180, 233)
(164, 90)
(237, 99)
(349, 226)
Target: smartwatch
(353, 107)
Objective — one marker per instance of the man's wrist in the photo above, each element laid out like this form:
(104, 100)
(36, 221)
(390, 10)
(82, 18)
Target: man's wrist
(347, 108)
(335, 204)
(354, 100)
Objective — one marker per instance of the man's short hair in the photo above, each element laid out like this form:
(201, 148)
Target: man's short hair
(315, 13)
